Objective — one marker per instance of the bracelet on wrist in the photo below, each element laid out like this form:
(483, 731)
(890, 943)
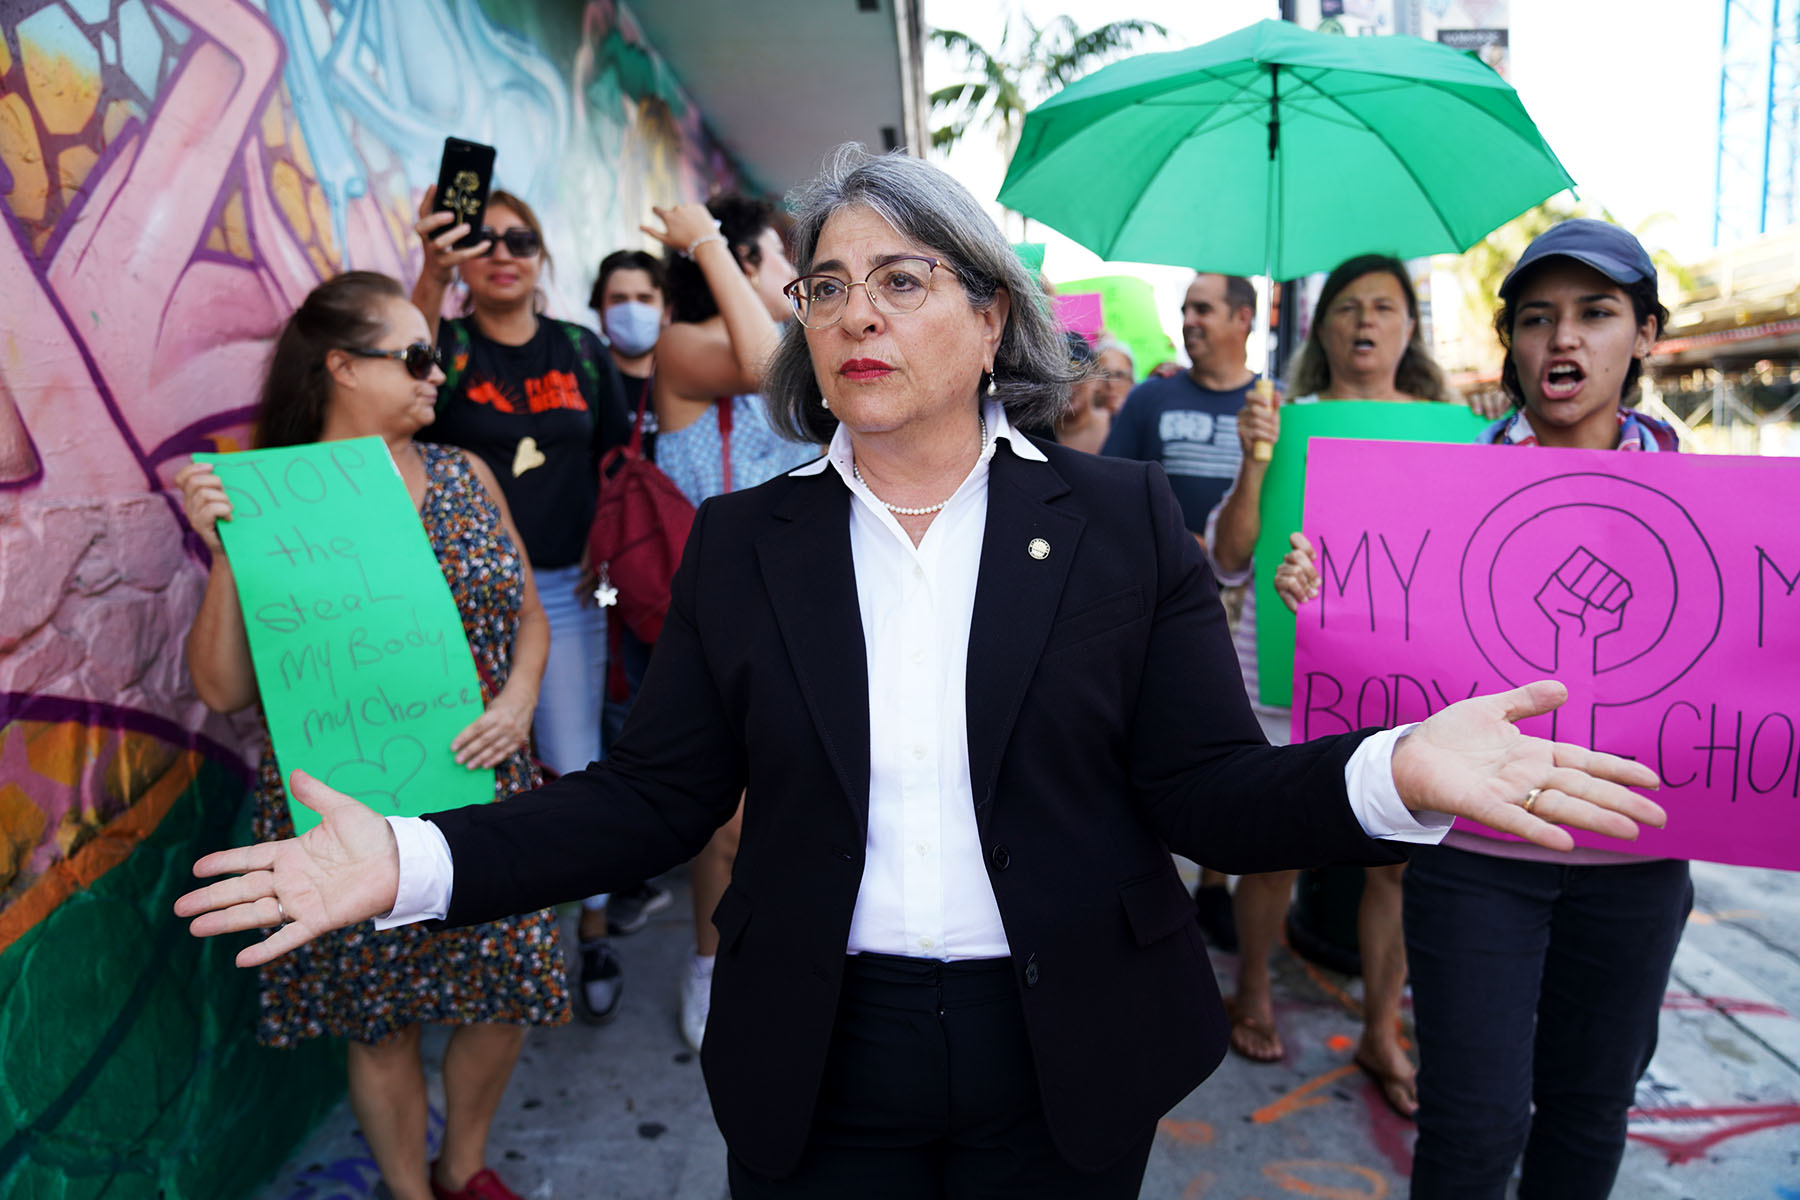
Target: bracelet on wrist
(701, 241)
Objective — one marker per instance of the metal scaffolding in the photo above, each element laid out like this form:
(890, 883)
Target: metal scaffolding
(1756, 175)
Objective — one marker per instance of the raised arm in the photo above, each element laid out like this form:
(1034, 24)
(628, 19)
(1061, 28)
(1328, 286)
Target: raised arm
(690, 363)
(438, 237)
(1240, 518)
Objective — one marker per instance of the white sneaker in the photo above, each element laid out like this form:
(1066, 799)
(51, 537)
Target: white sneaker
(696, 1003)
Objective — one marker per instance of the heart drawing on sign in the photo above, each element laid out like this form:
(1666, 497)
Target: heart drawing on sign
(379, 782)
(527, 456)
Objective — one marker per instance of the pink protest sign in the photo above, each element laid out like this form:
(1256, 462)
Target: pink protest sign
(1080, 312)
(1662, 589)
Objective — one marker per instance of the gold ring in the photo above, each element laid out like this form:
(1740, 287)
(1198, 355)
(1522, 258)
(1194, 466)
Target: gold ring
(1531, 798)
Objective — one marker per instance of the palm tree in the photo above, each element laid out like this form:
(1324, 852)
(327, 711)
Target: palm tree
(1032, 62)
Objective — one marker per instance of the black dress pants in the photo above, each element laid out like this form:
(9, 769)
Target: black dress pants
(930, 1094)
(1536, 993)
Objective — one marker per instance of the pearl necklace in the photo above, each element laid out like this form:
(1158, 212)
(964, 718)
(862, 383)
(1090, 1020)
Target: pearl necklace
(900, 510)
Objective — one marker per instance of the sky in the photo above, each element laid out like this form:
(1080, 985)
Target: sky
(1625, 92)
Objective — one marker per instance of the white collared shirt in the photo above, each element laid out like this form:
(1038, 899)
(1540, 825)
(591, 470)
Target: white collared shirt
(925, 890)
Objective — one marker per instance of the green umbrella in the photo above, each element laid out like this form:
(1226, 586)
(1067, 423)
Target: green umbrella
(1279, 152)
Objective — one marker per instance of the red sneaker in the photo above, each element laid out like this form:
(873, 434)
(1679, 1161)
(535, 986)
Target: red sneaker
(482, 1185)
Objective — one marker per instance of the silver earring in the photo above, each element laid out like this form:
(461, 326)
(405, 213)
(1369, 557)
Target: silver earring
(990, 383)
(824, 404)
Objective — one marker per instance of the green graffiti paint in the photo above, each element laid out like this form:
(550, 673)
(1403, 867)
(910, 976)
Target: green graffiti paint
(140, 1075)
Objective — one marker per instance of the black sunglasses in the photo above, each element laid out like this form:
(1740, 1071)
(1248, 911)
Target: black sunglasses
(419, 357)
(520, 242)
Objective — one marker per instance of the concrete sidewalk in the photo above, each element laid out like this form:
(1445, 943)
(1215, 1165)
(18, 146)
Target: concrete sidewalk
(621, 1111)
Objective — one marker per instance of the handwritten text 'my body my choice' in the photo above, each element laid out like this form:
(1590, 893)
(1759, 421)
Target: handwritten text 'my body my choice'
(337, 638)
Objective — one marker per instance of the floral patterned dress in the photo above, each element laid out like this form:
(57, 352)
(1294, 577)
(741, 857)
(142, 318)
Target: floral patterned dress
(366, 986)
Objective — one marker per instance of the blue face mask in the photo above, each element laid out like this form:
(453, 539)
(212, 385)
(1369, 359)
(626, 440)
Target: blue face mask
(632, 326)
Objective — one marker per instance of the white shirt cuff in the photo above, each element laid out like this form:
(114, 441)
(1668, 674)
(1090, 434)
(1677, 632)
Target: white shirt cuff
(426, 873)
(1369, 778)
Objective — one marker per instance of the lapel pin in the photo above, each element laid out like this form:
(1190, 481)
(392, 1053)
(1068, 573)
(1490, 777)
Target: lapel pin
(1038, 548)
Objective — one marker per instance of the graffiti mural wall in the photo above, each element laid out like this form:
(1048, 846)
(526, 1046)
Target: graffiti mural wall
(174, 176)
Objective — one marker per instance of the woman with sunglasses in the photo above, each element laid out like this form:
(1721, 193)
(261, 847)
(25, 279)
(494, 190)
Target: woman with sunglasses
(726, 270)
(355, 361)
(539, 401)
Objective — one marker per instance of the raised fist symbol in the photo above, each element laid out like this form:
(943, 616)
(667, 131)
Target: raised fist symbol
(1585, 599)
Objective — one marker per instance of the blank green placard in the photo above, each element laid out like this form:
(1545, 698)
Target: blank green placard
(1284, 493)
(361, 660)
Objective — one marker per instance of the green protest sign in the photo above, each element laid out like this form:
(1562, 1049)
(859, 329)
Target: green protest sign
(361, 660)
(1284, 491)
(1129, 307)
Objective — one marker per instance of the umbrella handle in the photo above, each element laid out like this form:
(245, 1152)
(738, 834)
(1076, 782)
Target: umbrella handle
(1263, 393)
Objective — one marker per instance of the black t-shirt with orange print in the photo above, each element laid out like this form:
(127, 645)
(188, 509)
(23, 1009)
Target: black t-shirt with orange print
(541, 415)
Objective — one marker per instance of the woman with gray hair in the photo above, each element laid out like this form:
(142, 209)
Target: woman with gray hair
(975, 690)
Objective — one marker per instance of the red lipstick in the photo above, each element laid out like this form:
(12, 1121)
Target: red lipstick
(865, 368)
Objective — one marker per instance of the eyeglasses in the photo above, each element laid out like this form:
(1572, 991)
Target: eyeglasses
(519, 241)
(896, 287)
(1110, 378)
(419, 358)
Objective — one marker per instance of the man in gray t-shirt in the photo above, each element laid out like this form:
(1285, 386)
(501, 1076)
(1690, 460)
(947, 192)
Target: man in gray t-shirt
(1188, 422)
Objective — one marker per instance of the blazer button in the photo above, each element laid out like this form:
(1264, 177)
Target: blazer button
(1001, 858)
(1031, 971)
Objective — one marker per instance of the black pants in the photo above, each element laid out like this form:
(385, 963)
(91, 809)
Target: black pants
(930, 1094)
(1536, 993)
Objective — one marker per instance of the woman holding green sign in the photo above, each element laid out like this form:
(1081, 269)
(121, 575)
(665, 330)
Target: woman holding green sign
(1538, 979)
(356, 360)
(1364, 344)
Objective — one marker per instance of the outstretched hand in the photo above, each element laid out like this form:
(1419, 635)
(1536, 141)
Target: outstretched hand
(1470, 760)
(343, 870)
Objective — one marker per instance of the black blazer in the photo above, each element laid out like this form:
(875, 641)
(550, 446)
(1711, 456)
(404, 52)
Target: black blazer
(1107, 726)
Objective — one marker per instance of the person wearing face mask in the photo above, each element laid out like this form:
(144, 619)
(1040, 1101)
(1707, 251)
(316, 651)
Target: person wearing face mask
(631, 297)
(726, 268)
(539, 401)
(1364, 344)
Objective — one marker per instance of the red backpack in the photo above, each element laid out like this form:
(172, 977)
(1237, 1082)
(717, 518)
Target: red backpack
(641, 524)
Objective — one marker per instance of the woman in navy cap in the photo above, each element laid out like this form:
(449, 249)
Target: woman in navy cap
(1538, 981)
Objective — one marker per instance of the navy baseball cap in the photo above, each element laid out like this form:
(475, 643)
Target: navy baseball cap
(1600, 244)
